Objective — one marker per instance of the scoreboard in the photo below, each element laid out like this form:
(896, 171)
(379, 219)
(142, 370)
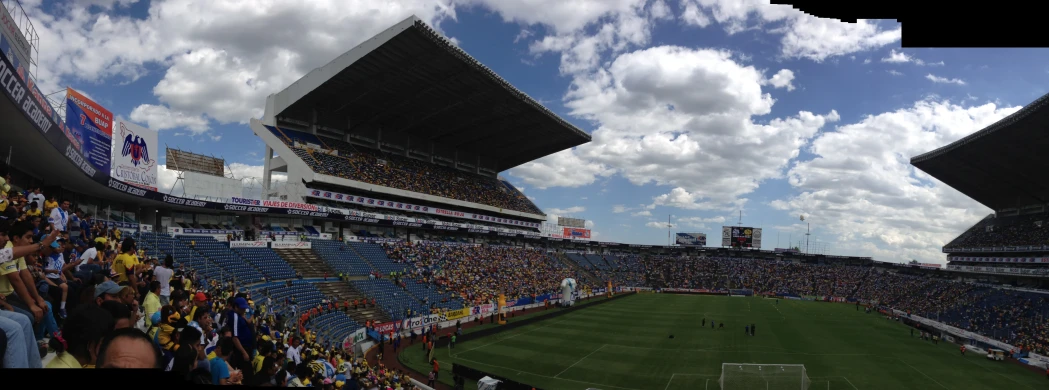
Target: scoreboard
(740, 237)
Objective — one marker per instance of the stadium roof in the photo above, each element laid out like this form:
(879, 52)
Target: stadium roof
(1001, 166)
(419, 89)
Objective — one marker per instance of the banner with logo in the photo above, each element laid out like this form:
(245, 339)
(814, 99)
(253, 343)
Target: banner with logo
(247, 244)
(421, 322)
(135, 155)
(90, 127)
(453, 315)
(291, 245)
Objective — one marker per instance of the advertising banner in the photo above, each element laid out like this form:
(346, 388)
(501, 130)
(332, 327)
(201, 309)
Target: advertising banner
(291, 245)
(453, 315)
(247, 244)
(389, 204)
(421, 322)
(576, 233)
(9, 28)
(134, 160)
(385, 327)
(90, 127)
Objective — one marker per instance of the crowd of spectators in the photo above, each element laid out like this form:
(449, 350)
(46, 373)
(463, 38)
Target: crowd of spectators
(1022, 230)
(479, 273)
(414, 175)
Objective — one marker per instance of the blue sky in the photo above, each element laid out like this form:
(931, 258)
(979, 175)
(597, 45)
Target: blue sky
(699, 108)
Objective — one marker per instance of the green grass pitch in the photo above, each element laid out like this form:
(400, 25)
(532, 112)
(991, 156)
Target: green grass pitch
(625, 345)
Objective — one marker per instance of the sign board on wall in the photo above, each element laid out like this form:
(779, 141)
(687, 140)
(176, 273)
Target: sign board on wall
(291, 245)
(576, 233)
(134, 155)
(89, 127)
(248, 244)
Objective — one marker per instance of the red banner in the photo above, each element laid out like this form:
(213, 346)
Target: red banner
(577, 233)
(385, 327)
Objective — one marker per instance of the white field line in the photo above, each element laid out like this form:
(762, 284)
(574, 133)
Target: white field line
(579, 361)
(922, 372)
(747, 350)
(829, 377)
(706, 383)
(504, 339)
(547, 376)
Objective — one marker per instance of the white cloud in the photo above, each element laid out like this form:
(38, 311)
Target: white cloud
(642, 213)
(866, 61)
(219, 59)
(618, 209)
(862, 188)
(783, 79)
(681, 118)
(897, 57)
(943, 80)
(163, 118)
(566, 211)
(894, 72)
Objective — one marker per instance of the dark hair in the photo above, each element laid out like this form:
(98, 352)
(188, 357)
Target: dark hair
(154, 285)
(281, 377)
(169, 262)
(184, 359)
(83, 330)
(127, 333)
(189, 337)
(303, 370)
(20, 228)
(127, 245)
(226, 346)
(116, 309)
(99, 246)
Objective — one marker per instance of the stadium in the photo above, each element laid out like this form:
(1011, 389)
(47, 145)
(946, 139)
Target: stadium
(395, 254)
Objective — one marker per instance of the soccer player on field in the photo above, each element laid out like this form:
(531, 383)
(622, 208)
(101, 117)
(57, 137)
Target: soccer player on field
(963, 350)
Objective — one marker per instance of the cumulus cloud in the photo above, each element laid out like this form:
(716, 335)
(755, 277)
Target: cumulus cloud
(681, 118)
(219, 59)
(943, 80)
(862, 188)
(783, 79)
(159, 118)
(899, 57)
(567, 211)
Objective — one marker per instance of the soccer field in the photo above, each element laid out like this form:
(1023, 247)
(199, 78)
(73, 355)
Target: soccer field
(626, 345)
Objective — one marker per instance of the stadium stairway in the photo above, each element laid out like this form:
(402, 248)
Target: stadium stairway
(305, 263)
(591, 279)
(343, 291)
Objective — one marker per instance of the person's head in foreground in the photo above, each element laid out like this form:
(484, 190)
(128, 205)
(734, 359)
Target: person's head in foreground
(128, 348)
(81, 337)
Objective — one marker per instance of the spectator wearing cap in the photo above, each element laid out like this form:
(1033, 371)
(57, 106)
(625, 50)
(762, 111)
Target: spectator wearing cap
(243, 335)
(107, 291)
(199, 300)
(53, 266)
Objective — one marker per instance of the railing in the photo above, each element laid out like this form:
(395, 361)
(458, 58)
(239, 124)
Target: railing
(18, 27)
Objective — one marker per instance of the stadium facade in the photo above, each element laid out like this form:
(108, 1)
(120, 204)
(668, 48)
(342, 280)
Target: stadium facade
(1001, 167)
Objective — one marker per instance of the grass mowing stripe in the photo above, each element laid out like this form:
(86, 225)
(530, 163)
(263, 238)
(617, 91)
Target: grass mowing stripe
(626, 343)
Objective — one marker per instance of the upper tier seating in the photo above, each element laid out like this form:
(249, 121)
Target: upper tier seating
(374, 167)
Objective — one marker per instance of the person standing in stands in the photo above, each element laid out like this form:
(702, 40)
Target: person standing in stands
(164, 274)
(243, 335)
(126, 263)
